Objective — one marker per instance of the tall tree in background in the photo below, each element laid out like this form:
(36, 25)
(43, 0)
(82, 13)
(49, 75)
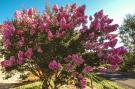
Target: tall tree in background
(127, 34)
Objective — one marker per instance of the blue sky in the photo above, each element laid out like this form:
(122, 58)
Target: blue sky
(116, 9)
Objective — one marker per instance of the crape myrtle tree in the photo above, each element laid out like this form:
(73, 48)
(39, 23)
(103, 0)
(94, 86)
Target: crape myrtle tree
(127, 34)
(60, 45)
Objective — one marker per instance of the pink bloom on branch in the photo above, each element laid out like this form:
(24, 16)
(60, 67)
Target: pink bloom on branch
(99, 14)
(20, 42)
(21, 55)
(50, 35)
(87, 69)
(6, 43)
(82, 82)
(53, 65)
(119, 51)
(55, 8)
(12, 59)
(32, 32)
(74, 73)
(63, 23)
(18, 14)
(80, 10)
(6, 63)
(62, 9)
(39, 50)
(111, 28)
(96, 25)
(102, 70)
(122, 50)
(113, 42)
(30, 12)
(28, 53)
(75, 59)
(20, 32)
(68, 6)
(69, 67)
(113, 67)
(47, 17)
(73, 7)
(115, 59)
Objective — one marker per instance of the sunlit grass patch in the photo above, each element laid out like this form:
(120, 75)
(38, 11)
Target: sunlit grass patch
(100, 83)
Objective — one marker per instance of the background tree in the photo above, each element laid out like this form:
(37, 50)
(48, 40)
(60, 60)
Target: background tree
(127, 34)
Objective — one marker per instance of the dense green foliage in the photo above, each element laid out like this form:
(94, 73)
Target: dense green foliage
(127, 34)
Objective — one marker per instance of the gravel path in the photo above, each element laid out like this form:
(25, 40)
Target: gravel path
(125, 79)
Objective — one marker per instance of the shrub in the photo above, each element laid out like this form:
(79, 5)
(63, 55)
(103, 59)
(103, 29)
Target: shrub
(55, 45)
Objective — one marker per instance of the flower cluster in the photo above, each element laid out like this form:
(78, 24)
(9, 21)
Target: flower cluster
(82, 82)
(76, 59)
(53, 65)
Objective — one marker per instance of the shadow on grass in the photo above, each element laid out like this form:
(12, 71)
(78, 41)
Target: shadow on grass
(13, 85)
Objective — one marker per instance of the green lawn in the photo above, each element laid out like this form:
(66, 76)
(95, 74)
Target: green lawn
(98, 84)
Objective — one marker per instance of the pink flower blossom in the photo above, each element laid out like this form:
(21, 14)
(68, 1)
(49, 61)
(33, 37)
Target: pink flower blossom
(62, 9)
(30, 12)
(6, 63)
(74, 73)
(12, 59)
(87, 69)
(62, 23)
(102, 70)
(122, 50)
(82, 82)
(113, 67)
(75, 59)
(53, 65)
(68, 6)
(28, 53)
(21, 55)
(32, 32)
(73, 7)
(50, 35)
(111, 36)
(115, 59)
(7, 30)
(30, 43)
(39, 49)
(20, 62)
(20, 42)
(111, 28)
(47, 17)
(95, 25)
(80, 10)
(18, 14)
(20, 32)
(113, 42)
(55, 8)
(119, 51)
(99, 14)
(69, 67)
(41, 28)
(6, 43)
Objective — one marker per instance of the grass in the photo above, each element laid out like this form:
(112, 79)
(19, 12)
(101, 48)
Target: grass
(99, 83)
